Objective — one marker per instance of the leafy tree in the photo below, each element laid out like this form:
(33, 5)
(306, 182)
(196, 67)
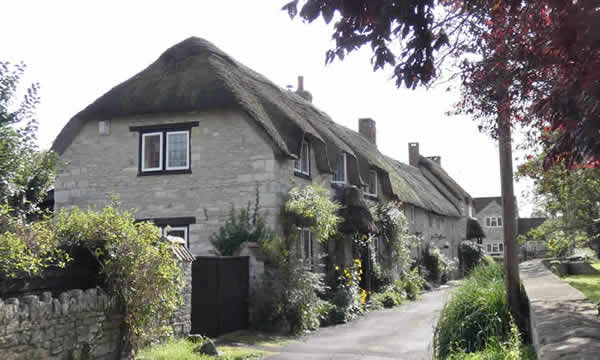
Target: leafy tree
(536, 60)
(25, 173)
(570, 196)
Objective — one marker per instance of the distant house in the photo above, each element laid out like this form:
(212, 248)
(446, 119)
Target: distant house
(197, 132)
(488, 211)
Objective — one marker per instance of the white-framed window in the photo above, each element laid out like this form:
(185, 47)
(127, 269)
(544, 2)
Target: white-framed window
(302, 164)
(495, 248)
(493, 221)
(489, 248)
(152, 156)
(178, 150)
(164, 151)
(501, 247)
(372, 183)
(340, 175)
(179, 231)
(307, 247)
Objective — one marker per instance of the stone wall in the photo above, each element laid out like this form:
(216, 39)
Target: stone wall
(43, 327)
(73, 324)
(563, 322)
(230, 157)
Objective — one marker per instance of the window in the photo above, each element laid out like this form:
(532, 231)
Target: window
(372, 183)
(178, 150)
(307, 247)
(152, 151)
(165, 149)
(376, 248)
(495, 248)
(302, 164)
(493, 221)
(174, 226)
(340, 175)
(501, 247)
(179, 231)
(489, 247)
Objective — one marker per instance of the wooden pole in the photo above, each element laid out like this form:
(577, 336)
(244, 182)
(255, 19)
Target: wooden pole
(511, 255)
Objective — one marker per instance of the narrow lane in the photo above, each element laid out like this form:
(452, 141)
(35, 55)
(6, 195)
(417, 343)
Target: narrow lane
(401, 333)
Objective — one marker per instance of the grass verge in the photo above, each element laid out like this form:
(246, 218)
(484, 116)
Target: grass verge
(184, 350)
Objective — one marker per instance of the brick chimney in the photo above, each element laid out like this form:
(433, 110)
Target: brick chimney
(436, 159)
(368, 129)
(413, 154)
(300, 90)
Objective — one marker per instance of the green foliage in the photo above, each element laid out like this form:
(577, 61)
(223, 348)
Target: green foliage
(393, 231)
(27, 249)
(438, 266)
(25, 174)
(380, 279)
(572, 198)
(387, 299)
(476, 313)
(312, 203)
(184, 349)
(561, 243)
(241, 226)
(411, 283)
(140, 271)
(470, 255)
(346, 294)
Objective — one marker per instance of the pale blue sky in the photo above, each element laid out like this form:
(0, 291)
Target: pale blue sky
(78, 50)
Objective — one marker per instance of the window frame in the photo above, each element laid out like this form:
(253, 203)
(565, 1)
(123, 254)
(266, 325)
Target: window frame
(164, 129)
(143, 152)
(174, 223)
(185, 228)
(376, 179)
(493, 221)
(187, 150)
(344, 158)
(298, 170)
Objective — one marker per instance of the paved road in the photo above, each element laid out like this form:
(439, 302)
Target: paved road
(402, 333)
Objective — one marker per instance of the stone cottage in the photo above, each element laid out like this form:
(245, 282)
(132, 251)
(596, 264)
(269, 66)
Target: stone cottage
(488, 211)
(197, 132)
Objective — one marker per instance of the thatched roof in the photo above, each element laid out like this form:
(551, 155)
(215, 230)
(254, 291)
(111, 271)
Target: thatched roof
(355, 214)
(195, 75)
(474, 229)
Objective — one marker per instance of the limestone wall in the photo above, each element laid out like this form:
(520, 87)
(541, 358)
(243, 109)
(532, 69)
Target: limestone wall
(230, 157)
(43, 327)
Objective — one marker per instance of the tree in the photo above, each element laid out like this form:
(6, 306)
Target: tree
(571, 196)
(25, 173)
(546, 53)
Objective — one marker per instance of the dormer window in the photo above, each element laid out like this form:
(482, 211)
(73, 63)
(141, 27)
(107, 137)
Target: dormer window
(340, 175)
(371, 189)
(302, 164)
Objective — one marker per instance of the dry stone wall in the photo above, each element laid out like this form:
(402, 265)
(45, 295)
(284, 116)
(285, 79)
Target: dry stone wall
(63, 327)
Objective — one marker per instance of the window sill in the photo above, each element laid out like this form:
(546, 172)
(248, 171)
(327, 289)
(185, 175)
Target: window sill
(302, 175)
(338, 185)
(164, 172)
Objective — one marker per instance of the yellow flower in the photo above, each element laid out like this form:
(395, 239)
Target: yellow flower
(337, 268)
(363, 296)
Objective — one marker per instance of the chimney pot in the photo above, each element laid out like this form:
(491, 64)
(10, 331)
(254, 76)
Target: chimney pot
(300, 90)
(368, 129)
(413, 154)
(300, 84)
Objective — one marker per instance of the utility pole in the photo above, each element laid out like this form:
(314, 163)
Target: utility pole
(511, 255)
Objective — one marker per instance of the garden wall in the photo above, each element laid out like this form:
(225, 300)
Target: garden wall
(564, 323)
(62, 327)
(73, 324)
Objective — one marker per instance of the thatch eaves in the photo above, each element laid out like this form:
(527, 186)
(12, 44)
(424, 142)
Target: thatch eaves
(195, 75)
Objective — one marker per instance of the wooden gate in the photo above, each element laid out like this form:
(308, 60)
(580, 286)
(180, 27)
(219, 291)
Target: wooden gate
(219, 294)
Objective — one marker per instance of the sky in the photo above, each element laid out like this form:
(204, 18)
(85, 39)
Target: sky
(78, 50)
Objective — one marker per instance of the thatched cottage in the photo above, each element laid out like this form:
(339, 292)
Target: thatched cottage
(197, 132)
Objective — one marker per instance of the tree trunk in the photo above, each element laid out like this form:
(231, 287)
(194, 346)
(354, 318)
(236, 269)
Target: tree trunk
(511, 255)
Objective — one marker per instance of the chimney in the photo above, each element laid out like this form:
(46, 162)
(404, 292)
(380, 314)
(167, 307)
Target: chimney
(413, 154)
(367, 128)
(436, 159)
(300, 90)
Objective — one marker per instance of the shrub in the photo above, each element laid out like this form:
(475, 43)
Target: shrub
(476, 313)
(438, 267)
(137, 268)
(27, 249)
(346, 293)
(380, 279)
(411, 284)
(388, 299)
(312, 203)
(243, 225)
(470, 255)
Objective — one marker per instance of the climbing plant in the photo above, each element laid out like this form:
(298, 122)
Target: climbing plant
(313, 204)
